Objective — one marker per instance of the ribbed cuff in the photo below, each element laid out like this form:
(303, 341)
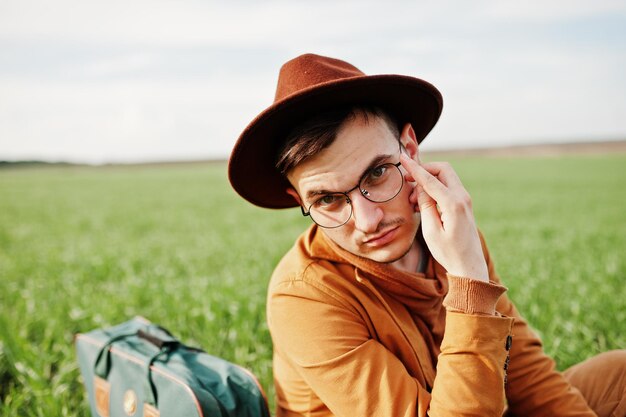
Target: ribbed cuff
(472, 296)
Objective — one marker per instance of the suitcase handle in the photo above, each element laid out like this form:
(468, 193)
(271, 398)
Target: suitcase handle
(157, 341)
(102, 365)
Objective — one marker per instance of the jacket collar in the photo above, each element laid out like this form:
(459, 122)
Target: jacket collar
(420, 291)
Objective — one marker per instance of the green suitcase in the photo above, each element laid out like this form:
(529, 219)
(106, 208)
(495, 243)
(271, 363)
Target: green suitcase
(138, 368)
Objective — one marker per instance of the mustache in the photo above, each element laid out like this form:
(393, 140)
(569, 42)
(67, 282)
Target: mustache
(389, 223)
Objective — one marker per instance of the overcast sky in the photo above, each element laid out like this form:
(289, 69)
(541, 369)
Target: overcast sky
(124, 80)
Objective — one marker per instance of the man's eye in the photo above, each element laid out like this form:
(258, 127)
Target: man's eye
(375, 175)
(378, 172)
(327, 201)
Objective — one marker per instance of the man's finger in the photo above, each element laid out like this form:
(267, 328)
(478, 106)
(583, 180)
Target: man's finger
(431, 184)
(444, 172)
(431, 220)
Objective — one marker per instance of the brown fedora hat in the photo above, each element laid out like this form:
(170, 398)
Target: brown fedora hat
(307, 85)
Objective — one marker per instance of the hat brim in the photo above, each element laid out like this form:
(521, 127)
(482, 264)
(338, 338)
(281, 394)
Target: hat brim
(251, 169)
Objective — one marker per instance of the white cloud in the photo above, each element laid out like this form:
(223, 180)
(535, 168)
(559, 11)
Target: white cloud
(159, 21)
(123, 120)
(550, 11)
(120, 64)
(158, 79)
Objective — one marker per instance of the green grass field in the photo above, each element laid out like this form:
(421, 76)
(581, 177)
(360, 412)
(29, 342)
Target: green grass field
(84, 247)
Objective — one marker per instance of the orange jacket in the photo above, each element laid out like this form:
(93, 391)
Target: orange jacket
(353, 337)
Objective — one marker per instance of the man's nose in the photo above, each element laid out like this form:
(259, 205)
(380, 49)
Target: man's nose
(367, 214)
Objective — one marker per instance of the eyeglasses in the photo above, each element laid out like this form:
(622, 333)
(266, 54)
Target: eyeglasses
(379, 185)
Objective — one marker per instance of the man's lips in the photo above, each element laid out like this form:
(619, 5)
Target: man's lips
(382, 238)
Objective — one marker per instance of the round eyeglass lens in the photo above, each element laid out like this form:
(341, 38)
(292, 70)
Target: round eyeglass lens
(382, 183)
(332, 210)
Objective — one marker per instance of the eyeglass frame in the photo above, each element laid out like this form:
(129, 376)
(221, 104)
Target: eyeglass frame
(349, 200)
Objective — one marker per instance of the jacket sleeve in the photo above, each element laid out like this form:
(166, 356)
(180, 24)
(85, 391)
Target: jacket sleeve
(471, 367)
(329, 344)
(534, 388)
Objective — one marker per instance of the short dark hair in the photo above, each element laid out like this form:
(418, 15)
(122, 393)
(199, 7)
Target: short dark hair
(320, 131)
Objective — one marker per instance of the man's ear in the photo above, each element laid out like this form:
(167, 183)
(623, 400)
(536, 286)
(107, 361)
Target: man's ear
(409, 141)
(292, 192)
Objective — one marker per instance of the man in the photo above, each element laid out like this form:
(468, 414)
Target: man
(389, 305)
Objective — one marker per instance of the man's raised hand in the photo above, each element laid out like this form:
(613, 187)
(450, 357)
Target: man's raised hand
(448, 222)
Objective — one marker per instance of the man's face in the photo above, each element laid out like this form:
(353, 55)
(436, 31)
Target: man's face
(383, 232)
